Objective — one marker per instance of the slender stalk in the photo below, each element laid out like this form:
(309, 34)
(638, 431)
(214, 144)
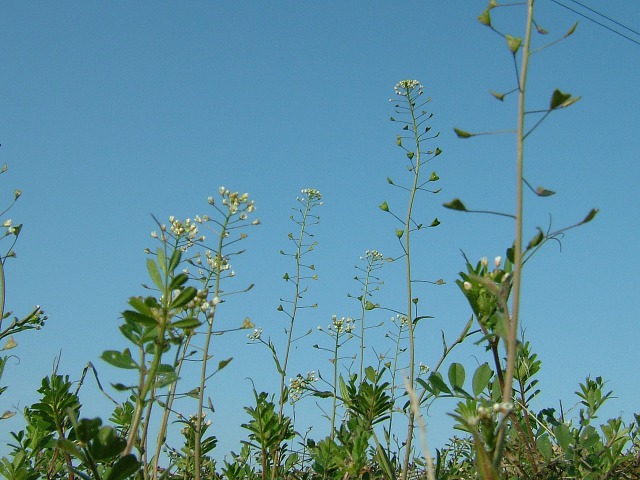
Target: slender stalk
(162, 435)
(513, 320)
(2, 291)
(335, 386)
(363, 310)
(409, 292)
(294, 310)
(207, 343)
(518, 254)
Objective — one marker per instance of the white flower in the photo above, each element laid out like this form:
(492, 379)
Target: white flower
(497, 262)
(467, 286)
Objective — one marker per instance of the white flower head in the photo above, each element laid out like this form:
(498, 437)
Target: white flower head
(405, 87)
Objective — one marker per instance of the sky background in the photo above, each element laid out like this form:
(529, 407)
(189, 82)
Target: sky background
(115, 111)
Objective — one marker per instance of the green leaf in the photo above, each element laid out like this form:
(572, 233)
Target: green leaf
(120, 387)
(455, 204)
(368, 305)
(70, 447)
(499, 96)
(184, 297)
(456, 375)
(543, 192)
(558, 98)
(165, 379)
(511, 254)
(136, 317)
(189, 322)
(541, 30)
(344, 391)
(590, 216)
(119, 359)
(485, 18)
(410, 155)
(535, 241)
(162, 260)
(435, 222)
(106, 444)
(87, 428)
(434, 177)
(323, 394)
(178, 281)
(384, 206)
(123, 468)
(139, 304)
(436, 381)
(481, 378)
(563, 436)
(513, 43)
(571, 30)
(154, 273)
(224, 363)
(462, 133)
(176, 256)
(399, 233)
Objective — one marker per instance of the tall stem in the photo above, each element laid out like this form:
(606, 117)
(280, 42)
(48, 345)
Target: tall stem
(513, 320)
(207, 344)
(409, 299)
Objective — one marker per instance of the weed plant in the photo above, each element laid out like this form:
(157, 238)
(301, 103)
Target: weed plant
(373, 406)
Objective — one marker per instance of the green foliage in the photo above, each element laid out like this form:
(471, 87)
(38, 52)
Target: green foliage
(503, 435)
(268, 433)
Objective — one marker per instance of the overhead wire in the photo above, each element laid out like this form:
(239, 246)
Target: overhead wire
(637, 42)
(586, 7)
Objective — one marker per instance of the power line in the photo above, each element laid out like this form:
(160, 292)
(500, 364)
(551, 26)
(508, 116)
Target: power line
(605, 17)
(600, 23)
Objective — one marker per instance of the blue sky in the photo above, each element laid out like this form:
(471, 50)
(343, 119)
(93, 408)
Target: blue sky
(115, 111)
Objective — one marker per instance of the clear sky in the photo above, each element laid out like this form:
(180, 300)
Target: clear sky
(113, 111)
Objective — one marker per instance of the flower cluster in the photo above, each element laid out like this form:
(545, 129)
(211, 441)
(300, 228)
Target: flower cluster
(372, 256)
(234, 201)
(257, 333)
(487, 415)
(312, 193)
(405, 87)
(191, 423)
(185, 232)
(341, 325)
(400, 320)
(8, 224)
(496, 262)
(298, 385)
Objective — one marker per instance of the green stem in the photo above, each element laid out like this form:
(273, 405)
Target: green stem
(294, 310)
(512, 334)
(363, 310)
(2, 291)
(407, 248)
(335, 386)
(207, 343)
(180, 356)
